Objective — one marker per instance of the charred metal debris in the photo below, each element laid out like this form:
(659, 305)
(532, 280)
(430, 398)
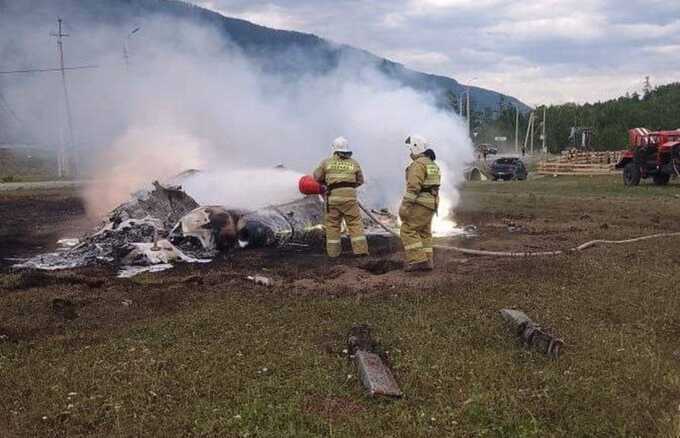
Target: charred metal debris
(164, 225)
(531, 334)
(374, 374)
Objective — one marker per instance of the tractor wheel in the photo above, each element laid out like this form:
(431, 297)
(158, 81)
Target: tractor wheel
(631, 174)
(661, 179)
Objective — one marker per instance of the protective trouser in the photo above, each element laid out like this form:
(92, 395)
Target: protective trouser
(349, 211)
(416, 232)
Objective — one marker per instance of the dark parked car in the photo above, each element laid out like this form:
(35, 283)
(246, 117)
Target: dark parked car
(507, 169)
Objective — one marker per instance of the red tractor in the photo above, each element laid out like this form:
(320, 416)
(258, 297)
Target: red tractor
(651, 154)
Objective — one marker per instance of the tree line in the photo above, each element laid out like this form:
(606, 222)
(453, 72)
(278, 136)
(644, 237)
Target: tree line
(656, 109)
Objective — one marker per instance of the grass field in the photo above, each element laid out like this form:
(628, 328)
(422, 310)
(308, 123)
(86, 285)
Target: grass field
(201, 352)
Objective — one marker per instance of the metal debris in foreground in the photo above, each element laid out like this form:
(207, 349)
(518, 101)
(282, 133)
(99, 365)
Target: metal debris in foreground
(261, 281)
(531, 334)
(373, 373)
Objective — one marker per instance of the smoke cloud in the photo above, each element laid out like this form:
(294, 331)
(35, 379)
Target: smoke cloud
(190, 99)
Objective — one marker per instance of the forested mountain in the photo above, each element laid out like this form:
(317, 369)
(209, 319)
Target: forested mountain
(261, 43)
(659, 109)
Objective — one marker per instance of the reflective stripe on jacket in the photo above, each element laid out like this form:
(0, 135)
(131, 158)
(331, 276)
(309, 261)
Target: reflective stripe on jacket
(339, 170)
(423, 179)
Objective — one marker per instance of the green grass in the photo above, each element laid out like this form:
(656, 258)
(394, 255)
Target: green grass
(609, 186)
(201, 372)
(269, 363)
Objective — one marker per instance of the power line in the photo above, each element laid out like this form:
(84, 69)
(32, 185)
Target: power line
(43, 70)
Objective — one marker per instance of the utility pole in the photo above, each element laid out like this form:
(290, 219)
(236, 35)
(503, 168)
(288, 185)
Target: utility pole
(468, 111)
(530, 128)
(69, 119)
(532, 136)
(516, 129)
(545, 150)
(647, 87)
(467, 89)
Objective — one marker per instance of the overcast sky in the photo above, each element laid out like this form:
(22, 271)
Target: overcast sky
(541, 51)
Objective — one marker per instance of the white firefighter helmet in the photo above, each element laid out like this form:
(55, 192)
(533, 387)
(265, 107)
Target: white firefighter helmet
(341, 144)
(417, 144)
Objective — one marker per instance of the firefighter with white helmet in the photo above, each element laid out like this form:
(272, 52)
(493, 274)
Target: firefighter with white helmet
(341, 175)
(419, 205)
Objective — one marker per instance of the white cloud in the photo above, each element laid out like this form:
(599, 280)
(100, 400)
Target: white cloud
(419, 58)
(423, 6)
(550, 9)
(646, 31)
(393, 20)
(269, 15)
(539, 51)
(578, 26)
(273, 16)
(665, 50)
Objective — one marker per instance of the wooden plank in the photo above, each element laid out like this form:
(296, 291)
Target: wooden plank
(591, 158)
(577, 173)
(574, 166)
(569, 169)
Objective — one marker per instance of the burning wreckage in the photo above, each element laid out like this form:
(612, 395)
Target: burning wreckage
(165, 225)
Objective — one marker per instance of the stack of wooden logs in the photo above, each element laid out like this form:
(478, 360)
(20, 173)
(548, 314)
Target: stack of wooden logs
(581, 163)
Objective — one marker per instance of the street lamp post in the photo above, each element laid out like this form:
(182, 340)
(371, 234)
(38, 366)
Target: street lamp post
(468, 103)
(125, 46)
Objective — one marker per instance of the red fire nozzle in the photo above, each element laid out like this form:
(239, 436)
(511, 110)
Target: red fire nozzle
(309, 186)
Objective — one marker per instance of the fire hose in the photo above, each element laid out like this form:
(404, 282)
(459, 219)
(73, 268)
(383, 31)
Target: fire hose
(309, 186)
(478, 252)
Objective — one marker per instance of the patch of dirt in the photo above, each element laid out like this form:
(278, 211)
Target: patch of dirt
(306, 283)
(382, 266)
(33, 222)
(333, 409)
(31, 279)
(331, 343)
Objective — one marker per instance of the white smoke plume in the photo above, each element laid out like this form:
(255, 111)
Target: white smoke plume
(190, 100)
(137, 158)
(246, 188)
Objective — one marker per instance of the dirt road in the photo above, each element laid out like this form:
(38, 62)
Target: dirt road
(40, 185)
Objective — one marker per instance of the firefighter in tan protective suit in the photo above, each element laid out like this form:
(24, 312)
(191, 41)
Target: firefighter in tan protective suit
(419, 205)
(341, 175)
